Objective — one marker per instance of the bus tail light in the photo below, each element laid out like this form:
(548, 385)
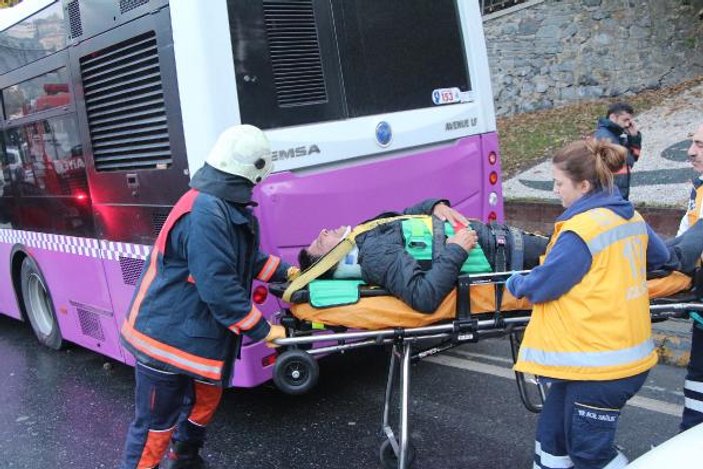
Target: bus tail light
(493, 178)
(260, 294)
(492, 199)
(269, 360)
(81, 197)
(493, 216)
(492, 158)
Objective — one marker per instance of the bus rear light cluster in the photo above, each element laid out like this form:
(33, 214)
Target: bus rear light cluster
(492, 199)
(493, 216)
(492, 158)
(260, 294)
(269, 360)
(493, 178)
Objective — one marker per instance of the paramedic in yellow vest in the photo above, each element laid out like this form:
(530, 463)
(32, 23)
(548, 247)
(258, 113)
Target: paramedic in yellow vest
(589, 337)
(693, 386)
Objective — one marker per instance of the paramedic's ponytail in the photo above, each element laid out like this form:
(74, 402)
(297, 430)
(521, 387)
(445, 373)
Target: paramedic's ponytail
(591, 160)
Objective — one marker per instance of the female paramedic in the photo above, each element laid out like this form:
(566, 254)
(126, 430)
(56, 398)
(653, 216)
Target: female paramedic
(589, 337)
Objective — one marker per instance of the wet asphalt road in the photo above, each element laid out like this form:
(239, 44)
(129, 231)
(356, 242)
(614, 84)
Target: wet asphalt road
(71, 409)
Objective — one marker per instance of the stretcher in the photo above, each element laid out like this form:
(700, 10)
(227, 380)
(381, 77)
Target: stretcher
(467, 315)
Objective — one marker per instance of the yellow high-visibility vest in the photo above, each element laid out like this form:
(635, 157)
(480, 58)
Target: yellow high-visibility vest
(600, 329)
(694, 210)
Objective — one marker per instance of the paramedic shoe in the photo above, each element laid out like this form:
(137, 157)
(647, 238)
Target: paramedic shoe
(184, 456)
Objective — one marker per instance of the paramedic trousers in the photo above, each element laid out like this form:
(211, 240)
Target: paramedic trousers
(693, 386)
(577, 424)
(168, 406)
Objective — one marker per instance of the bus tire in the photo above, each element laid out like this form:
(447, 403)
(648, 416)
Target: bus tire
(38, 305)
(295, 372)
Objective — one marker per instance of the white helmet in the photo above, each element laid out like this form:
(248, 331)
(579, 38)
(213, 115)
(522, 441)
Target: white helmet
(242, 150)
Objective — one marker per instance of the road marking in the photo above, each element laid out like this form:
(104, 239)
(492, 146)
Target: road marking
(484, 356)
(647, 403)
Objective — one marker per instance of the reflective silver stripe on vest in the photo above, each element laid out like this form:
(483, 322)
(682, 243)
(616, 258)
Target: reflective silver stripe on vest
(693, 404)
(588, 359)
(607, 238)
(551, 461)
(695, 386)
(159, 353)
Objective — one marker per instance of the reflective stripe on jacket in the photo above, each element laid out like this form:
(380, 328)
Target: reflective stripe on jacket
(600, 329)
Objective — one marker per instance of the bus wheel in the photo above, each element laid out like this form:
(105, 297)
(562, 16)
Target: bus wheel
(295, 372)
(39, 307)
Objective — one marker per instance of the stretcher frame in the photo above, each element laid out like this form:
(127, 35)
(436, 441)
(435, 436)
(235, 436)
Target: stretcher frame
(396, 449)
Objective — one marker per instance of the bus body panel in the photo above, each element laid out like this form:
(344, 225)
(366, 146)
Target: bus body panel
(349, 195)
(75, 279)
(8, 300)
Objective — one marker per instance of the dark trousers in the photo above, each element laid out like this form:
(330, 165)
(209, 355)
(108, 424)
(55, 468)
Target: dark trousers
(168, 406)
(577, 425)
(693, 387)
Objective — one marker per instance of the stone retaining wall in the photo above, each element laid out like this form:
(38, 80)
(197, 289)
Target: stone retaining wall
(552, 52)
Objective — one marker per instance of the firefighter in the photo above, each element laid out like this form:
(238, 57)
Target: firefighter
(589, 337)
(193, 303)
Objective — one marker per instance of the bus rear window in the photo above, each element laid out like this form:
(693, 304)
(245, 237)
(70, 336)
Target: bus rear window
(395, 54)
(306, 61)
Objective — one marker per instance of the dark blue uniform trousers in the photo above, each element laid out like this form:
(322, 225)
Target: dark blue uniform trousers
(693, 387)
(168, 406)
(577, 425)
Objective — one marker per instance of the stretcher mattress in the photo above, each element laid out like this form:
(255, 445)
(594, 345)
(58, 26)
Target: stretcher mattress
(381, 312)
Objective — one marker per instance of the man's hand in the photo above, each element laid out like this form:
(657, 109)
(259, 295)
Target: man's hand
(448, 214)
(276, 332)
(293, 273)
(632, 129)
(467, 239)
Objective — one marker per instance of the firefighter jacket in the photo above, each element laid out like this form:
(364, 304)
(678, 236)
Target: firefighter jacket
(600, 329)
(194, 297)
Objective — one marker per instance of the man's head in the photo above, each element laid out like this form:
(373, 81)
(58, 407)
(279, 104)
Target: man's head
(695, 151)
(242, 150)
(325, 241)
(621, 114)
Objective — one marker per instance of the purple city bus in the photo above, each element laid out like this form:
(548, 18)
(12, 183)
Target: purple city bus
(108, 108)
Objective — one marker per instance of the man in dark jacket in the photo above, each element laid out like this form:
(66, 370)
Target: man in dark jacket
(619, 127)
(193, 303)
(380, 256)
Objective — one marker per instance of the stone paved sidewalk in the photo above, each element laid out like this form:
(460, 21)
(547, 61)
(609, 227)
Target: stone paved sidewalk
(662, 175)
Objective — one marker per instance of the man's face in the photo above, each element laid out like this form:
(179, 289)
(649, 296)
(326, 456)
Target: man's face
(623, 119)
(695, 151)
(326, 240)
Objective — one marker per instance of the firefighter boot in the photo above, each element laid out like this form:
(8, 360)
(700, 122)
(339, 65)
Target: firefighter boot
(184, 455)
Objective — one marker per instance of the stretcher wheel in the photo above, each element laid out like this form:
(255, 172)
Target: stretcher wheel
(390, 460)
(295, 372)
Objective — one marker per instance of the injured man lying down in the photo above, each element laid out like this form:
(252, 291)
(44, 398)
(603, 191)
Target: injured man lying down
(418, 254)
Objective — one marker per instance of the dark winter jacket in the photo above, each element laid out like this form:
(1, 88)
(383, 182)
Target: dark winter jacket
(194, 296)
(385, 262)
(613, 133)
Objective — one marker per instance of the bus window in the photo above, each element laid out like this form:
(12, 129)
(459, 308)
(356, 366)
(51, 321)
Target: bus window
(39, 35)
(38, 94)
(389, 54)
(307, 62)
(51, 166)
